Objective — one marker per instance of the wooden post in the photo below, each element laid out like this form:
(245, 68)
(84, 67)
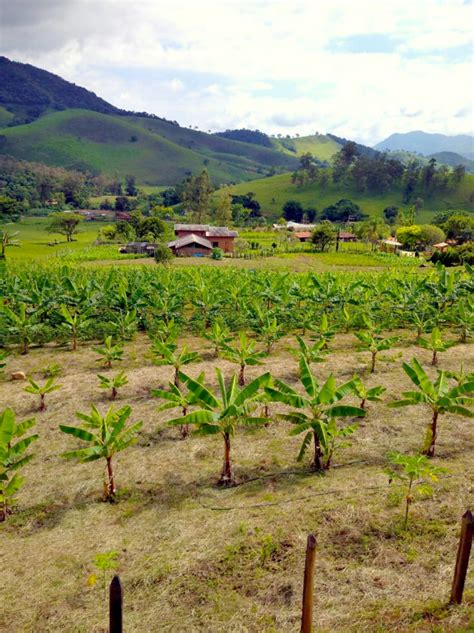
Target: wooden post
(307, 615)
(115, 606)
(462, 559)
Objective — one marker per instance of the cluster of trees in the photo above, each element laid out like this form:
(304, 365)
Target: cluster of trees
(375, 172)
(247, 136)
(28, 185)
(343, 210)
(139, 227)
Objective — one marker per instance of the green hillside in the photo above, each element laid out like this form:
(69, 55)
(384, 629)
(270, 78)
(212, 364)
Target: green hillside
(319, 145)
(5, 117)
(155, 151)
(272, 193)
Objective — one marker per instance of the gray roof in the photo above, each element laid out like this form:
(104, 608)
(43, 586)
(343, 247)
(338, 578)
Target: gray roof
(191, 227)
(190, 239)
(211, 231)
(221, 231)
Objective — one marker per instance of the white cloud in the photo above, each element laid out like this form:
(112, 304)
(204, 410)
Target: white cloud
(269, 64)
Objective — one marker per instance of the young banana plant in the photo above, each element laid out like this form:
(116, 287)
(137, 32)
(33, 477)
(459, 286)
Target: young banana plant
(178, 397)
(219, 336)
(316, 413)
(74, 322)
(439, 395)
(174, 358)
(435, 344)
(243, 354)
(105, 435)
(109, 352)
(361, 391)
(42, 390)
(374, 343)
(114, 383)
(222, 412)
(13, 446)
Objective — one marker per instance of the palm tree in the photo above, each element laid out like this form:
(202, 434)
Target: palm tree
(106, 435)
(7, 239)
(12, 457)
(243, 355)
(319, 420)
(222, 412)
(439, 395)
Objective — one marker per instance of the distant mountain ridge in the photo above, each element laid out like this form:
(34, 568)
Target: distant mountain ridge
(427, 144)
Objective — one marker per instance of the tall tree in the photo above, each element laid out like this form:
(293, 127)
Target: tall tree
(223, 214)
(196, 196)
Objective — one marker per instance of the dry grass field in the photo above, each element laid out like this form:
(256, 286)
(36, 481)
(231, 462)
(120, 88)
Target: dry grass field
(193, 557)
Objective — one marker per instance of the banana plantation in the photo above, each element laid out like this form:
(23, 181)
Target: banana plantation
(221, 415)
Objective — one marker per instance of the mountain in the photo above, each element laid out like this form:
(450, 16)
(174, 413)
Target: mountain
(46, 119)
(27, 92)
(427, 144)
(452, 159)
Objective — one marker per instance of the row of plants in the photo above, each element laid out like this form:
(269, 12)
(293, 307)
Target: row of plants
(315, 411)
(60, 303)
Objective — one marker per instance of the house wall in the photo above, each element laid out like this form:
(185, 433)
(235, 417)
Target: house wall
(226, 243)
(190, 251)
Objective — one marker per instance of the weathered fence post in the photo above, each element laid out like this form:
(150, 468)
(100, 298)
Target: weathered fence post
(307, 615)
(462, 559)
(115, 606)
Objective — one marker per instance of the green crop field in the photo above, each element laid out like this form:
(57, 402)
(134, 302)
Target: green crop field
(272, 193)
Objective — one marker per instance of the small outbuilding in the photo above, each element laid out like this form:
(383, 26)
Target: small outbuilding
(191, 245)
(139, 248)
(303, 236)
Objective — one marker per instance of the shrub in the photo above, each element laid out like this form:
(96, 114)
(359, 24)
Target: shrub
(163, 253)
(216, 253)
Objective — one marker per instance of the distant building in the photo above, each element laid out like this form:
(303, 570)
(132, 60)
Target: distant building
(139, 248)
(303, 236)
(203, 239)
(345, 236)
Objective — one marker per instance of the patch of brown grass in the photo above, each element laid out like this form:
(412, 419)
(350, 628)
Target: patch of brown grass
(186, 567)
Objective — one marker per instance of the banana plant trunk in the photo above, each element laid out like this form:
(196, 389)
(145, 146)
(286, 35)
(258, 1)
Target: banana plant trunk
(110, 490)
(431, 436)
(372, 366)
(227, 476)
(184, 428)
(434, 360)
(316, 463)
(42, 406)
(242, 376)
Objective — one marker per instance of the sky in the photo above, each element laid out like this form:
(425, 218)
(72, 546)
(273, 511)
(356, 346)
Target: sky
(362, 70)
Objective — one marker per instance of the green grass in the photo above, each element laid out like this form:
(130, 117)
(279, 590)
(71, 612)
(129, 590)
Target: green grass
(36, 243)
(319, 145)
(155, 151)
(272, 193)
(5, 117)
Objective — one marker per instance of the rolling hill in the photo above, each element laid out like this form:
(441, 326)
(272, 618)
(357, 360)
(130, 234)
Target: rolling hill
(47, 119)
(154, 150)
(272, 193)
(428, 144)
